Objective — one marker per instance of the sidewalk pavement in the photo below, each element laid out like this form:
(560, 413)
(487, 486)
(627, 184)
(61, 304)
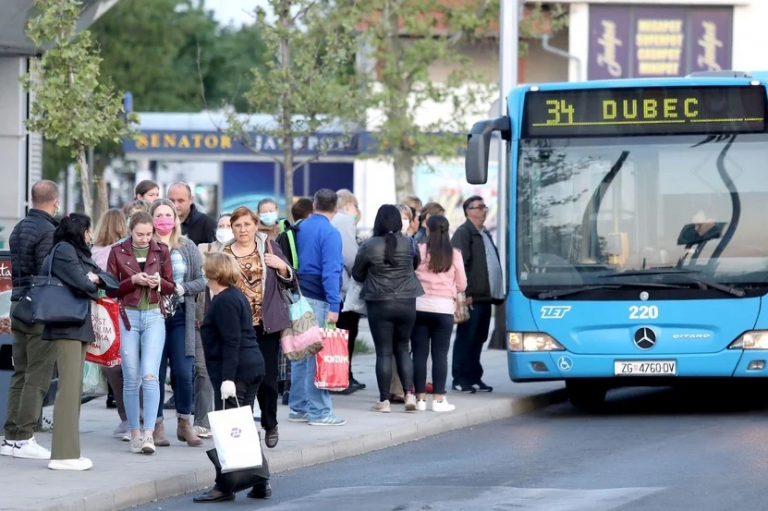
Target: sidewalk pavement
(120, 479)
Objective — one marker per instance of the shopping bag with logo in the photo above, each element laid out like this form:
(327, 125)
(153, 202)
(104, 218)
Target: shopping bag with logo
(105, 349)
(302, 339)
(236, 438)
(333, 360)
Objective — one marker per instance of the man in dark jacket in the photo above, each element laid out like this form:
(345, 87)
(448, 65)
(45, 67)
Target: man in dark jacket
(485, 288)
(195, 225)
(33, 358)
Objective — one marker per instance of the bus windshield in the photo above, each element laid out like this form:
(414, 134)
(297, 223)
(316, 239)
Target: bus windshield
(589, 209)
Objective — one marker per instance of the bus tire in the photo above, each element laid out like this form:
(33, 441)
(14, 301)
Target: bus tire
(586, 395)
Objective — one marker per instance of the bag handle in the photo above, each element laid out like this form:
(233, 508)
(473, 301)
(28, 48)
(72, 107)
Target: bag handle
(224, 403)
(50, 265)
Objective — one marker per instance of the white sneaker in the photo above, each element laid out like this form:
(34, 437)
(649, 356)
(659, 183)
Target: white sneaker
(78, 464)
(31, 450)
(6, 448)
(202, 432)
(121, 431)
(442, 406)
(137, 443)
(148, 445)
(421, 405)
(410, 403)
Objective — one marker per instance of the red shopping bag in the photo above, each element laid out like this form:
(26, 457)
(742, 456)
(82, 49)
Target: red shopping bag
(333, 360)
(105, 350)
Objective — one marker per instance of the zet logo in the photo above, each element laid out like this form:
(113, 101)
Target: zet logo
(554, 311)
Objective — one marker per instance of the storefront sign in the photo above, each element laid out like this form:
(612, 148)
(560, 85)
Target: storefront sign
(207, 142)
(652, 42)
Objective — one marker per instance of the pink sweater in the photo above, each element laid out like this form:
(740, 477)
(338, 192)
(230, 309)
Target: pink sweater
(440, 287)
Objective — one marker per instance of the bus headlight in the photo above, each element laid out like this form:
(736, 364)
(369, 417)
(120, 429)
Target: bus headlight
(532, 341)
(752, 340)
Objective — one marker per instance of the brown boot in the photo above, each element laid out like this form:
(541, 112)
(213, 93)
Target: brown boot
(160, 439)
(185, 433)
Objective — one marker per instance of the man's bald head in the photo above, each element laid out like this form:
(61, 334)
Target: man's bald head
(45, 196)
(181, 196)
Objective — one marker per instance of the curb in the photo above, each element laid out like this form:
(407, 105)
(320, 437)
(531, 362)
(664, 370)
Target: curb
(291, 459)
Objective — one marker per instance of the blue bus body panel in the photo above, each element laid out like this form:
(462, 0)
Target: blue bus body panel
(693, 333)
(595, 334)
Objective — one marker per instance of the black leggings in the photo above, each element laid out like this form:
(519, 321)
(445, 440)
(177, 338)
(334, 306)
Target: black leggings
(437, 328)
(391, 324)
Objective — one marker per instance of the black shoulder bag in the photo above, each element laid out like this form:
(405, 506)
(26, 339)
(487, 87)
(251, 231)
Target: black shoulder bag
(50, 301)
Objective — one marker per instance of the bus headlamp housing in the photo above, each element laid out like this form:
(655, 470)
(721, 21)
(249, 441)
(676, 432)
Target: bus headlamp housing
(752, 340)
(532, 341)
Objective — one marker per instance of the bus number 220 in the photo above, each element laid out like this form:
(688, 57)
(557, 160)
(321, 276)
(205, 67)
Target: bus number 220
(643, 312)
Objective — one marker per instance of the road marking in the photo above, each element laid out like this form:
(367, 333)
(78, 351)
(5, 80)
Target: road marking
(466, 498)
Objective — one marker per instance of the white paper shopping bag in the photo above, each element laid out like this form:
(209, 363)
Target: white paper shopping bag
(236, 439)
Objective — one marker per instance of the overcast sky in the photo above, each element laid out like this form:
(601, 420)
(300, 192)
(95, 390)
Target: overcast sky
(236, 12)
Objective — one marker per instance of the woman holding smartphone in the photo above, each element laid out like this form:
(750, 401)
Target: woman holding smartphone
(179, 349)
(143, 267)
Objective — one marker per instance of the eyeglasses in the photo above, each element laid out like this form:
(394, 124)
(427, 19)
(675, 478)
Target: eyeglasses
(483, 207)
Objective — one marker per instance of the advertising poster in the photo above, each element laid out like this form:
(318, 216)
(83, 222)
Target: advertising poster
(657, 41)
(446, 184)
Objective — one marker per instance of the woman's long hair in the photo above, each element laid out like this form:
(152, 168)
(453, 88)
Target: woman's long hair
(439, 248)
(388, 224)
(111, 228)
(72, 229)
(176, 237)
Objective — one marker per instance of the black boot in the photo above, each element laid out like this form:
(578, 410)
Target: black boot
(214, 495)
(260, 491)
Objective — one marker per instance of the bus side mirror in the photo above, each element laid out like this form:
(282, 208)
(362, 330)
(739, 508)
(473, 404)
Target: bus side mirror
(478, 147)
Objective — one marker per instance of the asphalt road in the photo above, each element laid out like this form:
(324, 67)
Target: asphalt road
(648, 450)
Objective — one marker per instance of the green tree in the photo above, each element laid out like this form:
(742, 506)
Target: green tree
(407, 38)
(307, 87)
(70, 106)
(152, 48)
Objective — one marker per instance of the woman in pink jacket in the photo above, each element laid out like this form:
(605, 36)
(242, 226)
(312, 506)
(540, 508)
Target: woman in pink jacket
(442, 276)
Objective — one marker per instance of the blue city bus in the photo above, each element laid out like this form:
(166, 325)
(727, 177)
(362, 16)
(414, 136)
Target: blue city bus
(638, 228)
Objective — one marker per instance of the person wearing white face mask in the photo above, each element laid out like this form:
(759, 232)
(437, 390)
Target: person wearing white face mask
(202, 383)
(268, 218)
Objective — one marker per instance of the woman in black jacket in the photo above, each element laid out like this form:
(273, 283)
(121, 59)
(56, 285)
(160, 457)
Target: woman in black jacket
(70, 261)
(386, 266)
(232, 356)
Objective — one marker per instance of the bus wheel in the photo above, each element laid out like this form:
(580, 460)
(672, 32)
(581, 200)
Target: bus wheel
(586, 395)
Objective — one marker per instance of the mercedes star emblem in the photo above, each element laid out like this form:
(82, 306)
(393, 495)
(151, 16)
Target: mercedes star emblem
(645, 338)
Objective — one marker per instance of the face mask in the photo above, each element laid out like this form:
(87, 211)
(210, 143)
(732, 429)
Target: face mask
(164, 225)
(406, 224)
(354, 218)
(58, 210)
(224, 236)
(268, 218)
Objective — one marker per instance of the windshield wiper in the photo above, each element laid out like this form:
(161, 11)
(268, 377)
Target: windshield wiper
(689, 274)
(557, 293)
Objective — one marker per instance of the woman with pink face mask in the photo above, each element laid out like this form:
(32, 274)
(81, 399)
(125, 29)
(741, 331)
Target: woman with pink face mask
(179, 348)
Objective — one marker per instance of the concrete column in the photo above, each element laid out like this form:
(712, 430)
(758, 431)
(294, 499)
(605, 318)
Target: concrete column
(13, 145)
(578, 40)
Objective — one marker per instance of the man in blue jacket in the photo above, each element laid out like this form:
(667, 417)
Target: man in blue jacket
(320, 274)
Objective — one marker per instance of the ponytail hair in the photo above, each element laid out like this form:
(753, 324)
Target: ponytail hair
(388, 224)
(439, 248)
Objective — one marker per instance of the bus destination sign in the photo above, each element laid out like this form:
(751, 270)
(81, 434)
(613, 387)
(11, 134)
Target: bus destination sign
(645, 111)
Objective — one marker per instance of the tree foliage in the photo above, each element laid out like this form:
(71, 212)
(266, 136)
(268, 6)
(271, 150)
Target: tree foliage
(153, 48)
(71, 107)
(307, 87)
(406, 39)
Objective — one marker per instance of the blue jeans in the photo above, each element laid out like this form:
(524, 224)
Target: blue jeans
(304, 396)
(141, 349)
(182, 366)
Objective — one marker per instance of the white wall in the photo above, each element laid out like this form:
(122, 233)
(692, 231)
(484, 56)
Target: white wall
(750, 37)
(12, 144)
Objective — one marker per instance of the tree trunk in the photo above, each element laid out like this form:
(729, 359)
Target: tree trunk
(403, 161)
(286, 106)
(85, 181)
(102, 193)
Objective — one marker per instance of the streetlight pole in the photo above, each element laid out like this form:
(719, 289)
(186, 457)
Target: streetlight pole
(508, 60)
